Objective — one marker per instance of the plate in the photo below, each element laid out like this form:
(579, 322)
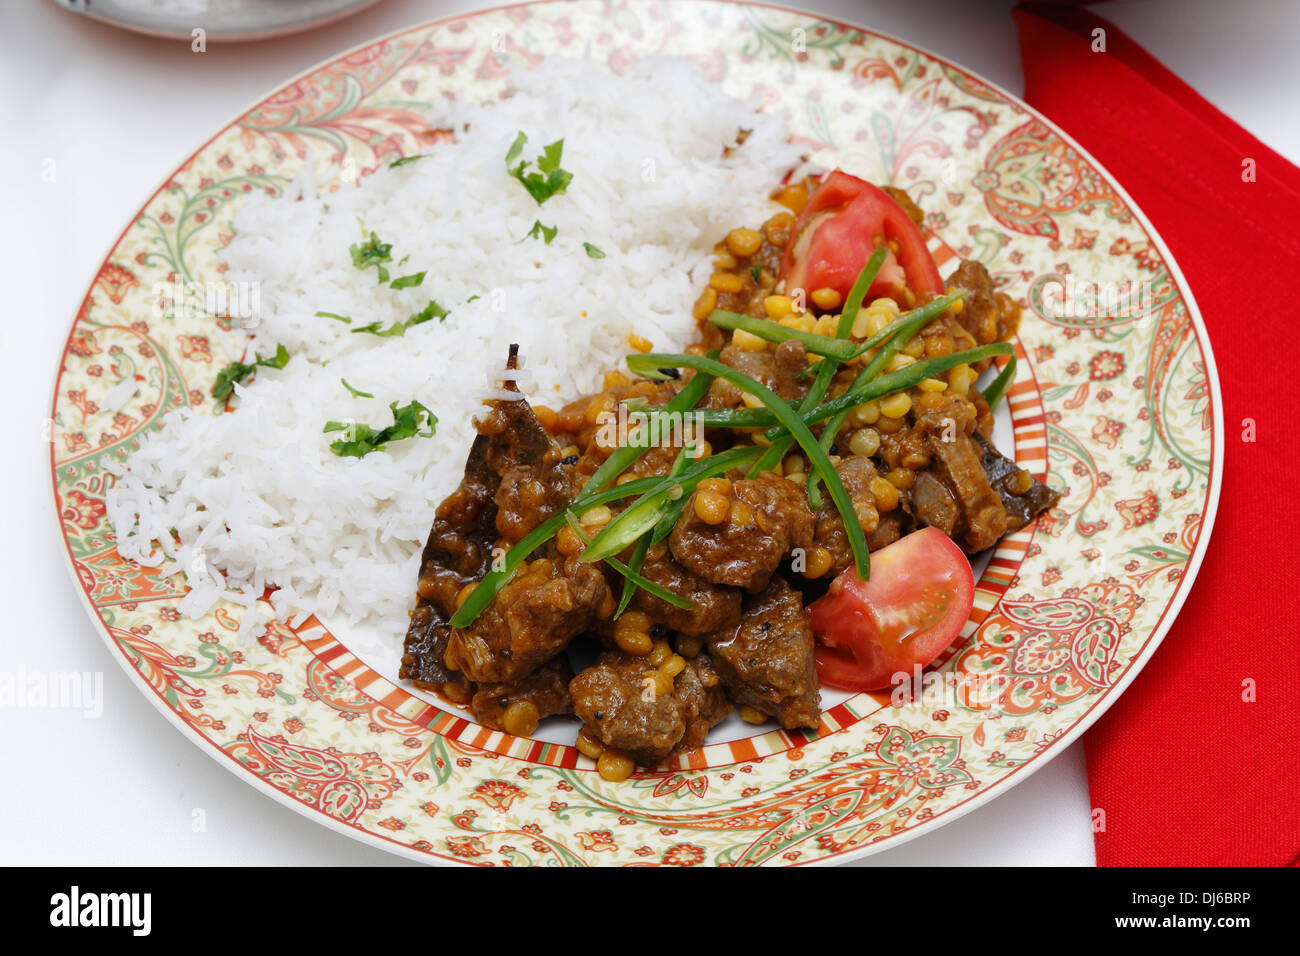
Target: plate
(221, 20)
(1116, 404)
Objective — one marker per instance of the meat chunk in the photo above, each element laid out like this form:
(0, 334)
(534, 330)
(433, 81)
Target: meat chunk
(422, 657)
(889, 530)
(617, 701)
(988, 315)
(622, 711)
(578, 424)
(459, 547)
(856, 474)
(984, 520)
(767, 661)
(957, 463)
(765, 518)
(514, 479)
(704, 701)
(542, 693)
(530, 620)
(532, 483)
(1023, 496)
(697, 686)
(620, 703)
(779, 369)
(933, 503)
(715, 605)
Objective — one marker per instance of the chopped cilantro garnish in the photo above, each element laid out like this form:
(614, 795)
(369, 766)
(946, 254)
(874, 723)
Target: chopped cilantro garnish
(377, 328)
(406, 159)
(279, 360)
(545, 233)
(356, 393)
(409, 421)
(372, 252)
(408, 282)
(756, 272)
(334, 315)
(592, 251)
(431, 311)
(550, 180)
(238, 371)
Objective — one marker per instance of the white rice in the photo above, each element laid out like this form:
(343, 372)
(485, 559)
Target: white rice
(257, 499)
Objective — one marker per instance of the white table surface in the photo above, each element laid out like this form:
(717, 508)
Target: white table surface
(117, 112)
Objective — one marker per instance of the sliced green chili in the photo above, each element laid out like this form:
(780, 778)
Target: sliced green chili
(644, 513)
(496, 579)
(998, 387)
(673, 510)
(626, 455)
(826, 370)
(884, 385)
(838, 349)
(635, 562)
(632, 579)
(791, 420)
(901, 331)
(637, 559)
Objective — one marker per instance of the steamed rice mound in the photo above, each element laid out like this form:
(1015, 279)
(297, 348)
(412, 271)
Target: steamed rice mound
(255, 497)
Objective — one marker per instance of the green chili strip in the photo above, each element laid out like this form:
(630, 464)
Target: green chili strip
(826, 370)
(626, 455)
(644, 513)
(930, 310)
(770, 331)
(884, 385)
(998, 387)
(645, 584)
(719, 417)
(839, 347)
(642, 546)
(904, 329)
(861, 286)
(495, 580)
(774, 455)
(896, 333)
(632, 579)
(906, 377)
(672, 510)
(791, 420)
(901, 331)
(634, 563)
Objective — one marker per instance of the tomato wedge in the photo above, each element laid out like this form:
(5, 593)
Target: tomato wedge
(845, 219)
(920, 593)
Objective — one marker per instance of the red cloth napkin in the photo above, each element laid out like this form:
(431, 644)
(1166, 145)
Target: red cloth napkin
(1186, 771)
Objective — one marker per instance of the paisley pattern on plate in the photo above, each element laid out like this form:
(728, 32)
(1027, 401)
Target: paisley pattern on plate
(1118, 410)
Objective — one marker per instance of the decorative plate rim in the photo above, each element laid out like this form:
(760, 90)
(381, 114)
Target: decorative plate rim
(998, 786)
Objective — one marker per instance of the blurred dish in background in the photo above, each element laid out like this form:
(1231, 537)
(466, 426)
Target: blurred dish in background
(221, 20)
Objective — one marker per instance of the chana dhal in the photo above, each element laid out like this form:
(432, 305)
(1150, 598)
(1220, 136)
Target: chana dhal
(787, 503)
